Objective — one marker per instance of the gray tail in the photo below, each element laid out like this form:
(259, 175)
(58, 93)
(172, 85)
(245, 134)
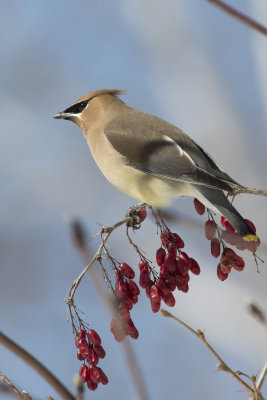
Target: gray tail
(218, 199)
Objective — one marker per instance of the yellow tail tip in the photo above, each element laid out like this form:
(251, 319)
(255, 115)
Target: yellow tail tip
(250, 238)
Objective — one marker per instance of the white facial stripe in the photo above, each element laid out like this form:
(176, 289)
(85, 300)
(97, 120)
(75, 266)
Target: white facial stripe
(180, 151)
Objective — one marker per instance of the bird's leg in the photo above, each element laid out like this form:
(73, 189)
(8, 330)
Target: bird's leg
(133, 213)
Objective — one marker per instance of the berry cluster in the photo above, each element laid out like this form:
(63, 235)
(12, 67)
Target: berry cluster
(218, 236)
(229, 260)
(174, 271)
(126, 292)
(231, 237)
(90, 350)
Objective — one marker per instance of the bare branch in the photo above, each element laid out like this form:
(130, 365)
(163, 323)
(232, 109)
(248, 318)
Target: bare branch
(26, 395)
(37, 366)
(262, 376)
(10, 386)
(254, 391)
(239, 16)
(105, 233)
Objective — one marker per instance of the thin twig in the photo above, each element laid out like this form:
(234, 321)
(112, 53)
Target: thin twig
(222, 365)
(10, 386)
(106, 231)
(37, 366)
(239, 16)
(262, 376)
(26, 395)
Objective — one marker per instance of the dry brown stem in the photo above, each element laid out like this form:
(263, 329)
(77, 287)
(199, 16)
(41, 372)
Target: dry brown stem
(37, 366)
(239, 16)
(222, 366)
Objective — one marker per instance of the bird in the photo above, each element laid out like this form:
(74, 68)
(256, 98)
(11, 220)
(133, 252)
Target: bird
(152, 160)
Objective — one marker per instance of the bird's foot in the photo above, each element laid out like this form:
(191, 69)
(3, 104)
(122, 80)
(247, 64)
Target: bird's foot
(137, 213)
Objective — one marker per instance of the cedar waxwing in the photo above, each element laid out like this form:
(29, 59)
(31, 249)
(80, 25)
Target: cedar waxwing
(152, 160)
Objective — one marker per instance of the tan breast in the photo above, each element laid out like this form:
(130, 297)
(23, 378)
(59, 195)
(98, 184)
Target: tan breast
(137, 184)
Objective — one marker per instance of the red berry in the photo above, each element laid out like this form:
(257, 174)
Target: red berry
(103, 377)
(132, 286)
(221, 275)
(124, 311)
(142, 214)
(92, 356)
(127, 302)
(155, 294)
(168, 299)
(182, 265)
(251, 225)
(116, 327)
(119, 336)
(91, 385)
(172, 250)
(121, 289)
(81, 333)
(185, 257)
(134, 334)
(252, 246)
(94, 337)
(223, 219)
(100, 351)
(229, 227)
(194, 267)
(160, 255)
(185, 288)
(239, 265)
(215, 247)
(170, 262)
(164, 272)
(155, 306)
(80, 355)
(148, 289)
(230, 258)
(178, 241)
(171, 280)
(181, 281)
(229, 252)
(143, 265)
(112, 324)
(210, 228)
(163, 286)
(83, 346)
(84, 373)
(231, 238)
(129, 326)
(94, 374)
(127, 271)
(171, 239)
(200, 208)
(144, 278)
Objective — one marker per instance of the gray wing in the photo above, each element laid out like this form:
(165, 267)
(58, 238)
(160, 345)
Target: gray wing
(158, 148)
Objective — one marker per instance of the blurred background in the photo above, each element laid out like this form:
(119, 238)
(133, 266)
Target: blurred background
(187, 62)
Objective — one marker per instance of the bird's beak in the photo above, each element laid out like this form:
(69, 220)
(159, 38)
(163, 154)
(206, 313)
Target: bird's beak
(62, 115)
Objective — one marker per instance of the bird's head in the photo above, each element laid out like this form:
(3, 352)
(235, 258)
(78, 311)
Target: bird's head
(84, 110)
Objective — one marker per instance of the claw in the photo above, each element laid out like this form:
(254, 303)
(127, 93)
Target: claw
(132, 213)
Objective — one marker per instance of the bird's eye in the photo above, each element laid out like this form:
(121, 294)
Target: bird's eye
(81, 106)
(77, 108)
